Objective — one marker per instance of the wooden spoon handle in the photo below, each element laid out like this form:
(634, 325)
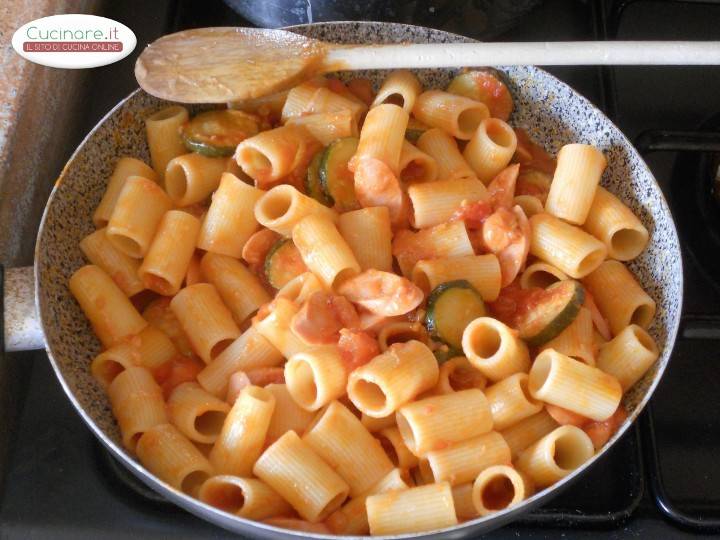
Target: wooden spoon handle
(518, 54)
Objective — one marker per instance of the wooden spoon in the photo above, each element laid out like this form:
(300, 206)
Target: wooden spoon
(214, 65)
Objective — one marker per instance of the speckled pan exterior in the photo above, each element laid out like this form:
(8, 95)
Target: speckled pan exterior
(551, 112)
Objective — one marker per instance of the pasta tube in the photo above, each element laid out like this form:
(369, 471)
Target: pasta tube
(524, 433)
(124, 168)
(565, 246)
(151, 348)
(288, 415)
(556, 455)
(316, 377)
(436, 421)
(401, 88)
(166, 453)
(457, 115)
(196, 413)
(206, 321)
(283, 207)
(110, 312)
(163, 136)
(628, 355)
(116, 264)
(250, 351)
(136, 216)
(490, 149)
(137, 403)
(614, 224)
(451, 164)
(499, 487)
(239, 288)
(435, 202)
(413, 510)
(463, 461)
(340, 439)
(393, 379)
(230, 220)
(191, 178)
(510, 401)
(323, 250)
(494, 349)
(619, 296)
(245, 497)
(241, 440)
(562, 381)
(577, 175)
(369, 234)
(167, 260)
(481, 271)
(301, 477)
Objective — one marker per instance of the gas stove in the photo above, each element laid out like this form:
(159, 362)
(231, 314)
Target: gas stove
(661, 480)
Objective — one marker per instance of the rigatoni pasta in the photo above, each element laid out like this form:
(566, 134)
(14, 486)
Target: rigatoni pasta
(443, 148)
(341, 440)
(562, 381)
(613, 223)
(241, 440)
(111, 314)
(230, 219)
(490, 148)
(239, 288)
(124, 169)
(628, 355)
(163, 136)
(191, 178)
(368, 232)
(301, 477)
(565, 246)
(619, 296)
(205, 319)
(456, 115)
(435, 202)
(137, 404)
(400, 88)
(326, 374)
(116, 264)
(577, 175)
(164, 451)
(140, 206)
(166, 262)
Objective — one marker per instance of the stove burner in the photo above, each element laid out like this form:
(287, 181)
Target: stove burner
(694, 189)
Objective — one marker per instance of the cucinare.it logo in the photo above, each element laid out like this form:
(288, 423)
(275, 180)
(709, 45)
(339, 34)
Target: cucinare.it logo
(74, 41)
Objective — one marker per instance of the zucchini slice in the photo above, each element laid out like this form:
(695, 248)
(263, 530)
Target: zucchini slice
(487, 87)
(283, 263)
(336, 180)
(445, 353)
(551, 313)
(451, 307)
(312, 181)
(414, 130)
(217, 133)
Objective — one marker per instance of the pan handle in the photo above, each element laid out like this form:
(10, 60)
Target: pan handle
(22, 330)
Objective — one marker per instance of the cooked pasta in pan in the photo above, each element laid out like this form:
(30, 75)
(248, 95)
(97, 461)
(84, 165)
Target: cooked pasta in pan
(368, 314)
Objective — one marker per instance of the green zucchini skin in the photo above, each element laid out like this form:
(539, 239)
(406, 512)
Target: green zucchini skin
(444, 354)
(553, 313)
(451, 306)
(277, 267)
(336, 181)
(312, 180)
(217, 133)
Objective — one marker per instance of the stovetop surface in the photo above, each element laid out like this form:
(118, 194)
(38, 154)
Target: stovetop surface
(660, 481)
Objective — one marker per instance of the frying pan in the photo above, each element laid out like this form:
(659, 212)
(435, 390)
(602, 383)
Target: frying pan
(551, 112)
